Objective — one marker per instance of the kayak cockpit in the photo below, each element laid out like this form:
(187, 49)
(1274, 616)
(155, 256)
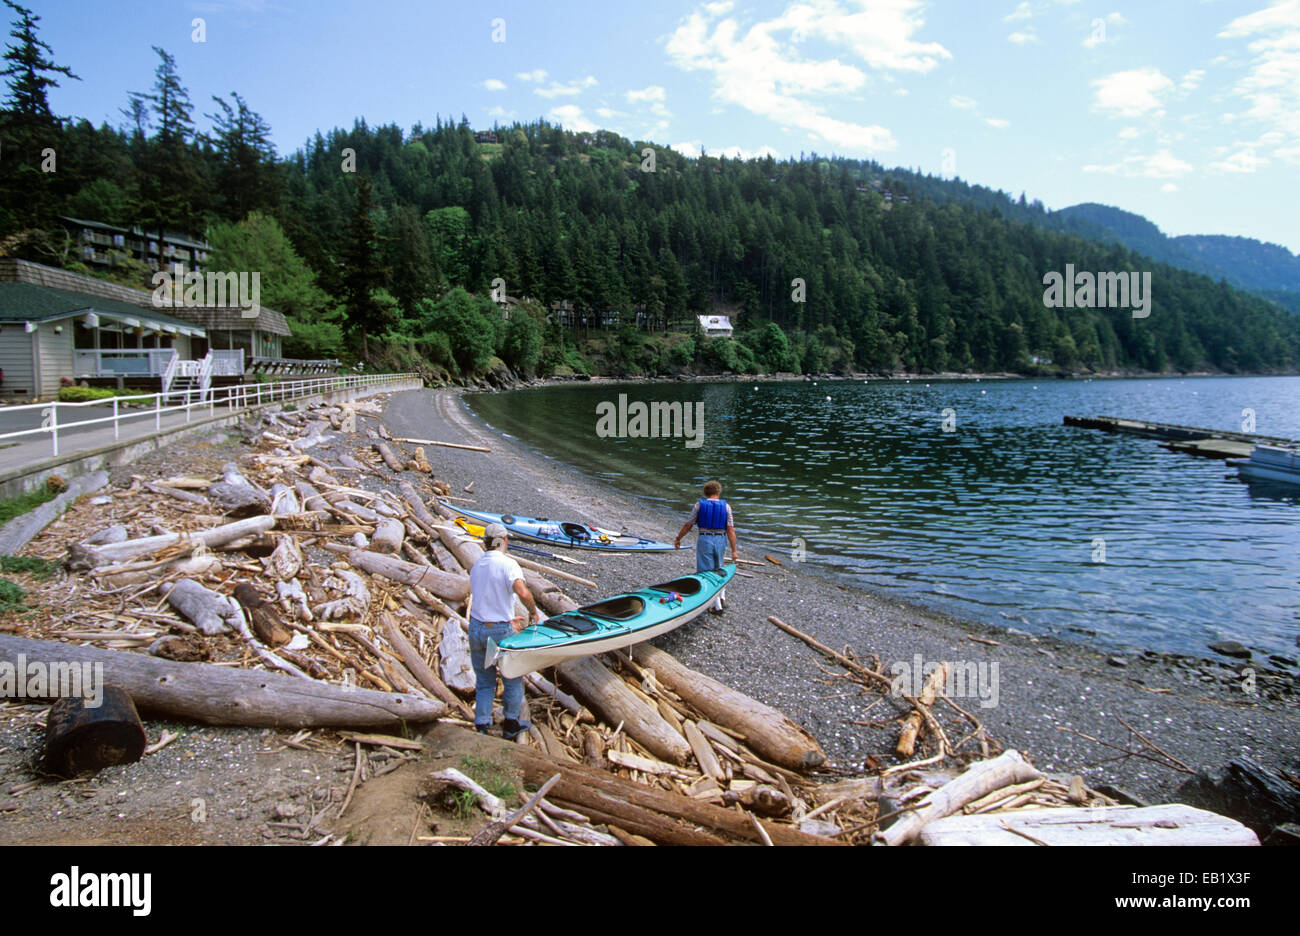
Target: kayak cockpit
(683, 586)
(621, 608)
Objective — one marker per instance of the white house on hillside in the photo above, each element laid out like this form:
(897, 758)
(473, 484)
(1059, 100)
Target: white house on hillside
(715, 326)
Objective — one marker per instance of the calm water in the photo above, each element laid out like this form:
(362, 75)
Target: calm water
(1000, 519)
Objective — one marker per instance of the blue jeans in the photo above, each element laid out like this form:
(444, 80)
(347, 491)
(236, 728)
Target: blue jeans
(710, 550)
(485, 685)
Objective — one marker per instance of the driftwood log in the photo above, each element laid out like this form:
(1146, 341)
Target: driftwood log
(443, 584)
(219, 695)
(19, 531)
(81, 556)
(419, 668)
(388, 536)
(771, 734)
(390, 457)
(661, 816)
(980, 780)
(210, 612)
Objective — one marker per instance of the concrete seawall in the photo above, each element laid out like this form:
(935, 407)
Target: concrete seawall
(24, 478)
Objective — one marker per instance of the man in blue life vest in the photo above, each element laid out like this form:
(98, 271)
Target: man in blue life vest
(717, 528)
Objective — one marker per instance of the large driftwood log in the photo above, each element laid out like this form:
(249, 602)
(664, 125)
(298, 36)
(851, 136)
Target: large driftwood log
(980, 780)
(388, 536)
(19, 531)
(210, 612)
(219, 695)
(453, 656)
(419, 668)
(443, 584)
(770, 733)
(82, 557)
(608, 696)
(661, 816)
(1169, 824)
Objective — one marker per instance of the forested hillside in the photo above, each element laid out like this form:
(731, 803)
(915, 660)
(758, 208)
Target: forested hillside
(383, 244)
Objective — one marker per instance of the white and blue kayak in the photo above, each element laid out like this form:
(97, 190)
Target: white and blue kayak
(556, 532)
(609, 624)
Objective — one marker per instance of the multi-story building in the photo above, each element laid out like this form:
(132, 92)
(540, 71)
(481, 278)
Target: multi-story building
(99, 244)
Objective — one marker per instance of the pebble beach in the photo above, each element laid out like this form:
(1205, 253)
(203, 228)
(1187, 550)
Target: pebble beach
(1038, 694)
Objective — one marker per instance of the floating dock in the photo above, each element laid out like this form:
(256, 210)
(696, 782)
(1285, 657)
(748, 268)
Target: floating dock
(1209, 443)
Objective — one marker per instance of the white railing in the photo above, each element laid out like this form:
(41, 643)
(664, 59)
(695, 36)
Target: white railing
(205, 376)
(54, 415)
(170, 373)
(124, 362)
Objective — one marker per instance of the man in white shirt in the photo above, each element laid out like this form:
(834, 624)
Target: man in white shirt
(494, 582)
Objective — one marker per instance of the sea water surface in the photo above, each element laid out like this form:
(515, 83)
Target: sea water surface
(1006, 516)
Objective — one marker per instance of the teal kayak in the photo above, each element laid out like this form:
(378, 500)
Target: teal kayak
(609, 624)
(556, 532)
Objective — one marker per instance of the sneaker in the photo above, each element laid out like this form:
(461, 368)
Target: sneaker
(511, 729)
(715, 610)
(482, 729)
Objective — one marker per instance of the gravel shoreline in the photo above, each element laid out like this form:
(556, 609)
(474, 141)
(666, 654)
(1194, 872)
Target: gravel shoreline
(1198, 711)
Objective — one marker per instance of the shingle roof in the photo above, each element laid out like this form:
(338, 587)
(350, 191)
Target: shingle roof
(27, 302)
(24, 271)
(232, 317)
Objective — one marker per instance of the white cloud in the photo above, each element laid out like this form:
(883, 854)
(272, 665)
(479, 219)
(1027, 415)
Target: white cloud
(1023, 11)
(1192, 80)
(760, 68)
(605, 113)
(1133, 93)
(1160, 165)
(962, 102)
(499, 111)
(652, 93)
(653, 98)
(1272, 83)
(535, 76)
(1241, 160)
(1129, 133)
(555, 89)
(571, 116)
(493, 84)
(1169, 187)
(717, 9)
(1023, 36)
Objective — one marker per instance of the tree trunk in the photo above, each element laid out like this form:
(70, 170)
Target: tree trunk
(419, 668)
(443, 584)
(661, 816)
(19, 531)
(81, 557)
(610, 698)
(219, 695)
(771, 734)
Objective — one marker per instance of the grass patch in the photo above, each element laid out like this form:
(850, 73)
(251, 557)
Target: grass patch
(17, 506)
(491, 775)
(35, 566)
(11, 597)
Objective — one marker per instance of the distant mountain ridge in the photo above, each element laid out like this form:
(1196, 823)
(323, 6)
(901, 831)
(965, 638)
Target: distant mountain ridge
(1267, 270)
(1243, 261)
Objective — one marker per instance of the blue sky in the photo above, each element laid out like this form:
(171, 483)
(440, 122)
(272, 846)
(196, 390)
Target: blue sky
(1185, 111)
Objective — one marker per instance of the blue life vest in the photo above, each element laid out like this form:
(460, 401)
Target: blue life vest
(713, 515)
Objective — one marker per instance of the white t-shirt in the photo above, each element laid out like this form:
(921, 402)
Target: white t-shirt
(491, 582)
